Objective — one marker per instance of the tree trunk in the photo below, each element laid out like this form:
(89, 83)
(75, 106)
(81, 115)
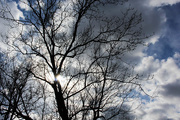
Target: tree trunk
(60, 101)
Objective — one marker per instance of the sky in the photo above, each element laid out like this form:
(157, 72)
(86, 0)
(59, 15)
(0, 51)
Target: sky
(161, 58)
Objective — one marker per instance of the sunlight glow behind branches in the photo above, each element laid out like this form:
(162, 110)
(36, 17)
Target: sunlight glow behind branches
(61, 80)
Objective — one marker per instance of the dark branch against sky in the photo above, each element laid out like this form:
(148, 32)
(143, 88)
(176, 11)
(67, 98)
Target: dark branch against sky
(161, 58)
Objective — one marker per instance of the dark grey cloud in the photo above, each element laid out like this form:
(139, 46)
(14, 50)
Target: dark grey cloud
(152, 22)
(153, 17)
(161, 112)
(172, 89)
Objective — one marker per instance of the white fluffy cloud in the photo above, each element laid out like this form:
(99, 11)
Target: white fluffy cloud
(23, 4)
(166, 85)
(157, 3)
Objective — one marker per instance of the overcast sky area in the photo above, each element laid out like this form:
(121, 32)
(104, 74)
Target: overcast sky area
(161, 58)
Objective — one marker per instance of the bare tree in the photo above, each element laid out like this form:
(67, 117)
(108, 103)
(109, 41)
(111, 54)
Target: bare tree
(77, 48)
(13, 101)
(20, 94)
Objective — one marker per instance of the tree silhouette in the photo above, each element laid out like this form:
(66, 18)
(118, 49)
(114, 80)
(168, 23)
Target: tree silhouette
(77, 48)
(13, 86)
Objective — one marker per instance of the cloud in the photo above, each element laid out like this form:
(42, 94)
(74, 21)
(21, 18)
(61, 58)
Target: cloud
(158, 3)
(158, 111)
(24, 5)
(153, 18)
(172, 89)
(153, 21)
(17, 14)
(168, 41)
(165, 86)
(148, 65)
(13, 6)
(6, 27)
